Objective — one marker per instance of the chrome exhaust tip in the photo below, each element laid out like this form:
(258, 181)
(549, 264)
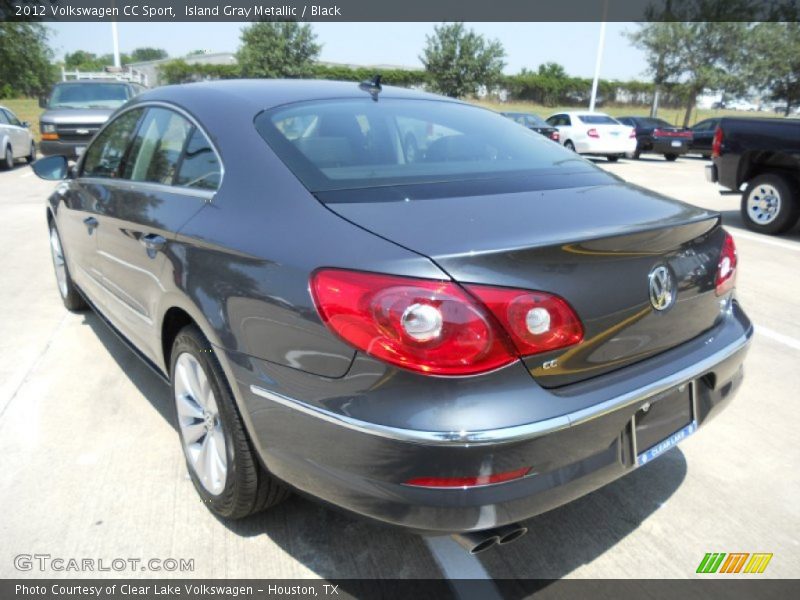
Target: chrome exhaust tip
(476, 542)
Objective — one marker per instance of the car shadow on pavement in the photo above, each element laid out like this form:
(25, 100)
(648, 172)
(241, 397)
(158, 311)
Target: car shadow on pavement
(335, 545)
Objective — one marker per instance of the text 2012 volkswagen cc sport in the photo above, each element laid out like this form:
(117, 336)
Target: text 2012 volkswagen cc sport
(449, 339)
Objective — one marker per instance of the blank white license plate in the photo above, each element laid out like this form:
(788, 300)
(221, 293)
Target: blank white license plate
(676, 144)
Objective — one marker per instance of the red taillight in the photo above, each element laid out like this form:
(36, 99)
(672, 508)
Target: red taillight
(716, 145)
(462, 482)
(537, 322)
(554, 136)
(437, 327)
(592, 133)
(672, 134)
(726, 267)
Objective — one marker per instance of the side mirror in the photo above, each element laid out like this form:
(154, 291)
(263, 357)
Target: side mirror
(52, 168)
(42, 102)
(26, 124)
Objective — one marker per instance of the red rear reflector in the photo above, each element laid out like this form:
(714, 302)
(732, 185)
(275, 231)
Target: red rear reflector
(716, 145)
(592, 133)
(465, 482)
(438, 328)
(554, 136)
(726, 267)
(632, 134)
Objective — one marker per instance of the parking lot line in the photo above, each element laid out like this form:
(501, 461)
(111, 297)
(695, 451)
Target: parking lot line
(764, 239)
(455, 562)
(28, 174)
(778, 337)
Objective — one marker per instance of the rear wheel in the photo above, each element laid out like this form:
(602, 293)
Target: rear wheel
(612, 158)
(671, 157)
(221, 462)
(569, 145)
(66, 288)
(8, 159)
(770, 204)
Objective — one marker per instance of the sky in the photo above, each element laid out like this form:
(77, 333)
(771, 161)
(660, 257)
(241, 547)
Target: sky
(573, 45)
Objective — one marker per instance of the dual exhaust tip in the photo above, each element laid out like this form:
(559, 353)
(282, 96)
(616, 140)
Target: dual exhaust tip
(476, 542)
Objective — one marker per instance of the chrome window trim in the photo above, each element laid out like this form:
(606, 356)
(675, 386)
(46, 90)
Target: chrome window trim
(127, 184)
(516, 433)
(208, 194)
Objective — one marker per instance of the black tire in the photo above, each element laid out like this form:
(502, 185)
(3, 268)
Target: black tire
(69, 293)
(636, 154)
(248, 487)
(671, 157)
(612, 158)
(569, 145)
(788, 199)
(32, 156)
(8, 159)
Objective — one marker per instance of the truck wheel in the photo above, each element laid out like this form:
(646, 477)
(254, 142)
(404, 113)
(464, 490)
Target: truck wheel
(671, 157)
(612, 157)
(770, 204)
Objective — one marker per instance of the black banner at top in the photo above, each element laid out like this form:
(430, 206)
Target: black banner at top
(399, 10)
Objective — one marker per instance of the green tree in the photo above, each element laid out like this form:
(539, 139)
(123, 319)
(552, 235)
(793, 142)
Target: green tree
(659, 41)
(773, 61)
(25, 56)
(147, 53)
(459, 61)
(84, 61)
(278, 49)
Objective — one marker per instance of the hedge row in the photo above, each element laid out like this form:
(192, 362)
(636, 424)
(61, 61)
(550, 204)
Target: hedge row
(541, 89)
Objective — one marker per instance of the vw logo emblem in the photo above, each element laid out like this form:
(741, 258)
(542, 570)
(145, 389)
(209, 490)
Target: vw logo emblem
(662, 292)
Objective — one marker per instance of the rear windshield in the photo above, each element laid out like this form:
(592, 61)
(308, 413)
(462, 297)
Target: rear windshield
(598, 120)
(89, 95)
(654, 123)
(360, 143)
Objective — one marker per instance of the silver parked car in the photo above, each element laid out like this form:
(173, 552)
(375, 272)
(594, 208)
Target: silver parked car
(16, 139)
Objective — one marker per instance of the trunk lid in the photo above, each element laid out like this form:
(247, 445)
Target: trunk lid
(594, 245)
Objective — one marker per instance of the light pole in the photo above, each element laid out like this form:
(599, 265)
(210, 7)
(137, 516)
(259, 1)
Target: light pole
(115, 37)
(600, 44)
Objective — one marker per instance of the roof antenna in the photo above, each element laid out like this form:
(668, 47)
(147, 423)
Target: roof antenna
(373, 86)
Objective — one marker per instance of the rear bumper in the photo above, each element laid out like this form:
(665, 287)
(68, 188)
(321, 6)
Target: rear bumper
(606, 147)
(361, 466)
(664, 146)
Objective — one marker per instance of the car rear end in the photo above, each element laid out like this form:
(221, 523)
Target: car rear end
(578, 328)
(603, 135)
(670, 140)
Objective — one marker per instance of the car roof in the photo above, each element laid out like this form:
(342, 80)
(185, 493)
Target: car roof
(95, 81)
(584, 113)
(254, 95)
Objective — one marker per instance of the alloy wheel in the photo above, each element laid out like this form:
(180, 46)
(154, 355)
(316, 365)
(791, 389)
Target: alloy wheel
(58, 262)
(200, 424)
(764, 204)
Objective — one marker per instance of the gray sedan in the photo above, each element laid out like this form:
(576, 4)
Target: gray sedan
(449, 340)
(16, 140)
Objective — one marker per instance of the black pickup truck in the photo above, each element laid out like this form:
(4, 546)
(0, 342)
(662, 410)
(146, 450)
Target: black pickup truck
(764, 154)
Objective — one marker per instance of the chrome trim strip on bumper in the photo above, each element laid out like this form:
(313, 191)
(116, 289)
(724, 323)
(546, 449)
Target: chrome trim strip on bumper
(515, 433)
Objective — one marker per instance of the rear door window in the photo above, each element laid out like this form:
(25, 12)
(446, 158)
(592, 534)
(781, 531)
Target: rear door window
(157, 147)
(199, 166)
(104, 155)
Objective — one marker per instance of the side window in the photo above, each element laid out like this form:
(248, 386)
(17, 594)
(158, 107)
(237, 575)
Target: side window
(3, 118)
(157, 147)
(105, 153)
(12, 119)
(554, 120)
(199, 167)
(566, 121)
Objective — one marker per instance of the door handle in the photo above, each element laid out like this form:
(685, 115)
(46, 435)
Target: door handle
(91, 224)
(152, 243)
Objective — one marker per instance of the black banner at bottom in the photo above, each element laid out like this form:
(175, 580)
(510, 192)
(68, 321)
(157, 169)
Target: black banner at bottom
(416, 589)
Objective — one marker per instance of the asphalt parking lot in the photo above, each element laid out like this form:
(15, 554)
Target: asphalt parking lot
(92, 467)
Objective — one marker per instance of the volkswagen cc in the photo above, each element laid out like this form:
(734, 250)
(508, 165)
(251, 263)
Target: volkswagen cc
(450, 340)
